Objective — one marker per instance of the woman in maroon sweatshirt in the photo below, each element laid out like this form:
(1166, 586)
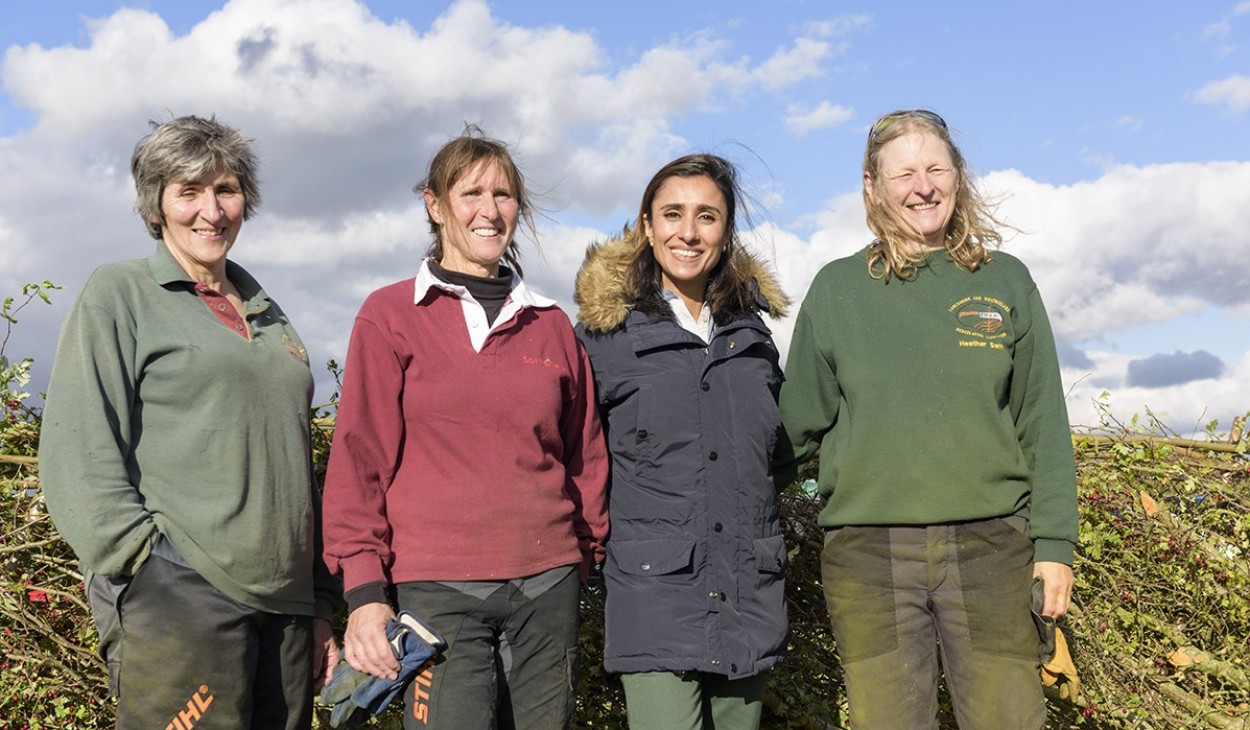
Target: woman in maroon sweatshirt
(467, 482)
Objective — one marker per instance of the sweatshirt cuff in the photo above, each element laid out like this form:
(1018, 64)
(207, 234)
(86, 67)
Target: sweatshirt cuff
(131, 566)
(1053, 551)
(365, 594)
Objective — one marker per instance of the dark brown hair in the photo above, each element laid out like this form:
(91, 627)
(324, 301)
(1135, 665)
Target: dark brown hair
(728, 285)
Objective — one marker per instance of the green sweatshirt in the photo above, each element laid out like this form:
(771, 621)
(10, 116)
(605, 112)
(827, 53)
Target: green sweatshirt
(933, 400)
(160, 419)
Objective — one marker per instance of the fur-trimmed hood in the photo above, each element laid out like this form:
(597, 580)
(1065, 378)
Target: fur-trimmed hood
(600, 288)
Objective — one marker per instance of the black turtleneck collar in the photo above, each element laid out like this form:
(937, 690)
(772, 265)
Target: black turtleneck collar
(491, 292)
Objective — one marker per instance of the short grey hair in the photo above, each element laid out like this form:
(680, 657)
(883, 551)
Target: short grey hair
(184, 149)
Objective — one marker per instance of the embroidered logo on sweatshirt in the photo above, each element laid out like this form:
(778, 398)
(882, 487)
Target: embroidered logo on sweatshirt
(298, 352)
(546, 362)
(982, 322)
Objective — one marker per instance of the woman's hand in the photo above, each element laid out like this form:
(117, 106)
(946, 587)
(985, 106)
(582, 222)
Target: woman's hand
(325, 653)
(364, 643)
(1057, 579)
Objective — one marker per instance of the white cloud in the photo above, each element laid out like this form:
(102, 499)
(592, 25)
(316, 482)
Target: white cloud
(620, 162)
(673, 79)
(808, 56)
(1232, 92)
(1138, 244)
(1224, 26)
(844, 25)
(1129, 123)
(802, 121)
(788, 66)
(1218, 29)
(346, 110)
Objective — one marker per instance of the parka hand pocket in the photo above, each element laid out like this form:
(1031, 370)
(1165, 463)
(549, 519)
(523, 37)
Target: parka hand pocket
(652, 557)
(770, 554)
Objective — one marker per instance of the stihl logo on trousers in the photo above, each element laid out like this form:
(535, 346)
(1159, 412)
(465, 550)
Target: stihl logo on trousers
(421, 692)
(196, 706)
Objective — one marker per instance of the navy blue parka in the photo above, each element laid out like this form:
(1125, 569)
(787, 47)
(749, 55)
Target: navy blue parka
(695, 557)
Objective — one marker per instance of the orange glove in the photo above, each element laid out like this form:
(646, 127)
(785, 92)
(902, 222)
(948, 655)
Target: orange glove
(1060, 671)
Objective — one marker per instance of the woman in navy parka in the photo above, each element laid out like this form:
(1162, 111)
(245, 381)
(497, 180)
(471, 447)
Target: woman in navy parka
(687, 378)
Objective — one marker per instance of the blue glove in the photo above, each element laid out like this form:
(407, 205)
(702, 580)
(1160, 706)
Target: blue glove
(356, 696)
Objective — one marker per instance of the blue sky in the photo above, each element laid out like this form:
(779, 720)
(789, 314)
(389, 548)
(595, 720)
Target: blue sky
(1116, 141)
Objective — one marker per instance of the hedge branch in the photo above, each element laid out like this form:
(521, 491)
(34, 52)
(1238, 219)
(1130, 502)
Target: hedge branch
(19, 460)
(1203, 711)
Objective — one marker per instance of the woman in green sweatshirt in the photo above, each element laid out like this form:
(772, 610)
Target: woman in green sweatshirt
(175, 459)
(923, 372)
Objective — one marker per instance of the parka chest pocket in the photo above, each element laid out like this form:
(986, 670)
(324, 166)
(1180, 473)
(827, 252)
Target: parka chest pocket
(636, 437)
(651, 557)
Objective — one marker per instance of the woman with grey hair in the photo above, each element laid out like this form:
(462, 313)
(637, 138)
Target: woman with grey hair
(175, 458)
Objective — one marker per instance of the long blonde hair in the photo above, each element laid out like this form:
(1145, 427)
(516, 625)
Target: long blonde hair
(972, 226)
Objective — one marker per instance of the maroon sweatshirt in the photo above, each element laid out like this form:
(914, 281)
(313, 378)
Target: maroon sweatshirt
(453, 464)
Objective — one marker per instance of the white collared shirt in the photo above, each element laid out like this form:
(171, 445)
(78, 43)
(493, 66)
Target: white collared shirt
(701, 327)
(474, 314)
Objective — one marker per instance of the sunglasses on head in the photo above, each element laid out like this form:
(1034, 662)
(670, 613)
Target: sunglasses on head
(884, 122)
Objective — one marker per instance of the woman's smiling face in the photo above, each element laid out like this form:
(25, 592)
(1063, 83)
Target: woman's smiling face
(916, 181)
(687, 227)
(477, 221)
(202, 220)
